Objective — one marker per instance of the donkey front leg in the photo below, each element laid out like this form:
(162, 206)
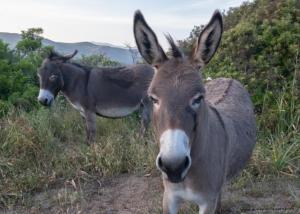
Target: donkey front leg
(145, 112)
(219, 209)
(170, 203)
(209, 207)
(90, 119)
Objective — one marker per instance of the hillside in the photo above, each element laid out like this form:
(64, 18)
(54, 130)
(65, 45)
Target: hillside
(115, 53)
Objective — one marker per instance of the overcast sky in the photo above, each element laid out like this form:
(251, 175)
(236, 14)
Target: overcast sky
(108, 21)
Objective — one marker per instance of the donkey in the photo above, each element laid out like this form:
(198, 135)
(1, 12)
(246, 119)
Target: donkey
(107, 92)
(206, 133)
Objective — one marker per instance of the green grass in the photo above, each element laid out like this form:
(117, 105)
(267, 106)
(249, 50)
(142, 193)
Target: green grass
(278, 147)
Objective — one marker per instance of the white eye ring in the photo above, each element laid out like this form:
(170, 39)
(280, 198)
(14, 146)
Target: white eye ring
(196, 101)
(52, 78)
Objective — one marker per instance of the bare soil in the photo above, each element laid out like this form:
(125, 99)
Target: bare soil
(143, 194)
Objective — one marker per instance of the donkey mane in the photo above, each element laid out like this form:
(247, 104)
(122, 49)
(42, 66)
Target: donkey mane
(175, 51)
(225, 93)
(53, 54)
(86, 68)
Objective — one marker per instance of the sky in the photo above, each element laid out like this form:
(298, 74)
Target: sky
(107, 21)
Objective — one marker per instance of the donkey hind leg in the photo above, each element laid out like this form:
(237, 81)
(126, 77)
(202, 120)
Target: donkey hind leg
(90, 119)
(145, 112)
(218, 209)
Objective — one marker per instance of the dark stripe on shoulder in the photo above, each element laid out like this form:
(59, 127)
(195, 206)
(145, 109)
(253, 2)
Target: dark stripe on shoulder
(225, 93)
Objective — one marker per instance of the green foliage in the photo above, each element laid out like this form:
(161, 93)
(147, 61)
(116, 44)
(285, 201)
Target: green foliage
(187, 44)
(278, 149)
(31, 41)
(18, 80)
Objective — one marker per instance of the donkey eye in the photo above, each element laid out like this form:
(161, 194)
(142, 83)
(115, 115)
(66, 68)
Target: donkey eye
(53, 78)
(153, 99)
(196, 101)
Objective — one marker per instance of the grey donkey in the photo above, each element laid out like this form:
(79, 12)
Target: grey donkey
(206, 133)
(107, 92)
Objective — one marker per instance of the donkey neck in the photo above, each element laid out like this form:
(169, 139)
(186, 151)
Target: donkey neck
(75, 80)
(201, 135)
(210, 131)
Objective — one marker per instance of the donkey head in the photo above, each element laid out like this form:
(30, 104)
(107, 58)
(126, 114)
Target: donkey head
(50, 77)
(177, 92)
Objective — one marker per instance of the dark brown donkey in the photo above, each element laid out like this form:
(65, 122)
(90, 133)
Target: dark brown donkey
(107, 92)
(206, 132)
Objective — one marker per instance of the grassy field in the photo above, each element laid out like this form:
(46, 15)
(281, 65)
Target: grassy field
(42, 148)
(45, 149)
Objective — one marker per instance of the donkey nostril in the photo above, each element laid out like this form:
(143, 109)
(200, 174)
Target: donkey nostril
(160, 164)
(186, 162)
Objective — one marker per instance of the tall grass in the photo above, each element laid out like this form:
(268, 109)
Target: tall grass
(278, 148)
(41, 148)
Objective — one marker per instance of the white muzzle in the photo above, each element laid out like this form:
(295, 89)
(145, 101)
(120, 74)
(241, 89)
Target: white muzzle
(45, 97)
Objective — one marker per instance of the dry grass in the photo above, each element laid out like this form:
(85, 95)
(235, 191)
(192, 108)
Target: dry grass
(46, 147)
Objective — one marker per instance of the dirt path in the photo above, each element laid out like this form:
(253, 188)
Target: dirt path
(139, 194)
(126, 194)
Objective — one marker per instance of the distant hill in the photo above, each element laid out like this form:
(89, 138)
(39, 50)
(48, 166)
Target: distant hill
(116, 53)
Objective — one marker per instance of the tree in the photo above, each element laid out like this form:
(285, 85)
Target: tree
(31, 41)
(18, 79)
(186, 45)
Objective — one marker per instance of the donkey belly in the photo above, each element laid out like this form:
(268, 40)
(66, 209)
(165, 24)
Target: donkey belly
(115, 112)
(241, 147)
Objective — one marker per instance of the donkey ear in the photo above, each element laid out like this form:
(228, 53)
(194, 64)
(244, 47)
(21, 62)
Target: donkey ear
(146, 41)
(69, 56)
(209, 39)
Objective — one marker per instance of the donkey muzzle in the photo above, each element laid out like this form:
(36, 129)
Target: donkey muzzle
(45, 97)
(174, 158)
(175, 171)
